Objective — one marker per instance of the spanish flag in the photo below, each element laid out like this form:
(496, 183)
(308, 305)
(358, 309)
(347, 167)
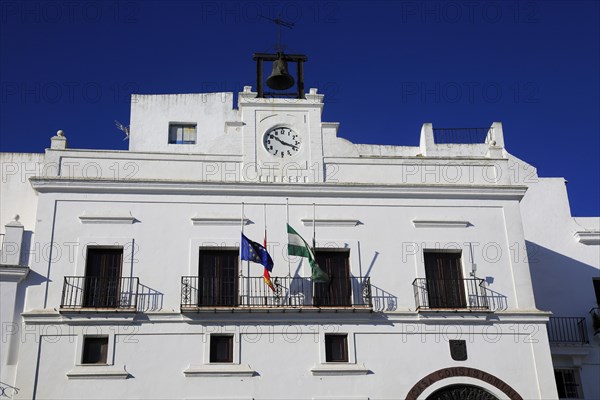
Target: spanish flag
(266, 274)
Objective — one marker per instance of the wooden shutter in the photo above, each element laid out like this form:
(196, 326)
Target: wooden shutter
(218, 278)
(445, 284)
(338, 291)
(102, 277)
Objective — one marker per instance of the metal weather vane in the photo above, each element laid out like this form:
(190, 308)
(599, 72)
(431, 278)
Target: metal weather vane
(280, 78)
(279, 48)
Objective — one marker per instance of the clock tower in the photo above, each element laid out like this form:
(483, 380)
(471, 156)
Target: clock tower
(282, 131)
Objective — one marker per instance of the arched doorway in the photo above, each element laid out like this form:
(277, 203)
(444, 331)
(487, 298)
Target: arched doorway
(461, 392)
(455, 391)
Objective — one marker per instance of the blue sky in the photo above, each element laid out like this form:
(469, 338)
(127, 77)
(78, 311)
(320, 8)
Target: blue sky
(384, 67)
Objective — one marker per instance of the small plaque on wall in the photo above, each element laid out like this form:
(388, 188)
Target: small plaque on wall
(458, 350)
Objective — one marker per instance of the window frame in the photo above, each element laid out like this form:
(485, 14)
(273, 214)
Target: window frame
(218, 294)
(102, 287)
(596, 285)
(110, 346)
(182, 125)
(331, 294)
(576, 383)
(345, 350)
(231, 353)
(116, 242)
(441, 293)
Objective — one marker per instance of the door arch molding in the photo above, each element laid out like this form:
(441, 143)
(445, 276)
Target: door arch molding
(462, 392)
(451, 372)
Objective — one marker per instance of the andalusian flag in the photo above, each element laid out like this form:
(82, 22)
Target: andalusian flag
(298, 247)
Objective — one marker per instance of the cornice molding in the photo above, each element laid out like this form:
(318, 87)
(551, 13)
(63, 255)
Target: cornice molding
(111, 186)
(53, 316)
(128, 155)
(13, 273)
(330, 222)
(414, 160)
(423, 223)
(219, 221)
(107, 219)
(588, 237)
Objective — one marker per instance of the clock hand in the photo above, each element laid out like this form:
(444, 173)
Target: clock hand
(284, 143)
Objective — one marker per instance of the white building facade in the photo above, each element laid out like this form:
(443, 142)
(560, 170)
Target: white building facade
(121, 278)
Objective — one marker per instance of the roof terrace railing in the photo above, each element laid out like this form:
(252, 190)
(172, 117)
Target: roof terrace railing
(462, 135)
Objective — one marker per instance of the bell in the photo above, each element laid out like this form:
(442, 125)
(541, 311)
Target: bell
(280, 79)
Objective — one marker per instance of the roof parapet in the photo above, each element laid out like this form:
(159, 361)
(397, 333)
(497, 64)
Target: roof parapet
(453, 142)
(58, 142)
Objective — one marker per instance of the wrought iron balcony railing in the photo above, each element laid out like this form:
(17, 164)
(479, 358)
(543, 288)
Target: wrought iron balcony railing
(89, 292)
(461, 135)
(289, 292)
(567, 330)
(469, 294)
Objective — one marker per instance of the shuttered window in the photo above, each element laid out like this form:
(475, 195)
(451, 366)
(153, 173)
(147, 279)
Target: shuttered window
(445, 284)
(338, 291)
(102, 277)
(218, 278)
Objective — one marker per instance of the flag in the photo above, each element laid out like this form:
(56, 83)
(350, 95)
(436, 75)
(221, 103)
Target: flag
(255, 252)
(298, 247)
(266, 275)
(267, 279)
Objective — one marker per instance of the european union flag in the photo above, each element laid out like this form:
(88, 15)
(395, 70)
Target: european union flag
(255, 252)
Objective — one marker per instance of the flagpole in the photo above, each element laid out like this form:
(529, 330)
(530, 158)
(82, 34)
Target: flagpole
(247, 272)
(265, 236)
(242, 228)
(314, 228)
(287, 219)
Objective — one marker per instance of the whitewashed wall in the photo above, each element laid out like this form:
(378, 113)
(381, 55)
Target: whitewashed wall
(563, 266)
(390, 204)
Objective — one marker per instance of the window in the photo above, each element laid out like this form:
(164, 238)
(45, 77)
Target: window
(336, 292)
(445, 284)
(567, 384)
(596, 282)
(336, 348)
(182, 133)
(102, 281)
(221, 348)
(95, 349)
(218, 278)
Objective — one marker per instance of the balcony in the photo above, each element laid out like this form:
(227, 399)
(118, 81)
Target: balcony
(349, 293)
(567, 330)
(99, 294)
(453, 294)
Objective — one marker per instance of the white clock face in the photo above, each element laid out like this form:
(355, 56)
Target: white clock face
(282, 142)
